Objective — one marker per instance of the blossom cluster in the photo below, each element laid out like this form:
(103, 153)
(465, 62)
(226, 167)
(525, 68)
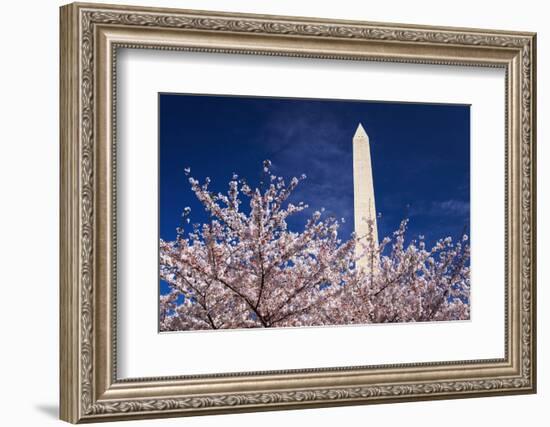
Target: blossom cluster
(245, 268)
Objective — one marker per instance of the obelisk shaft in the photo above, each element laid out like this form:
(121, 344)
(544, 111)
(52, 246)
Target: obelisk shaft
(363, 188)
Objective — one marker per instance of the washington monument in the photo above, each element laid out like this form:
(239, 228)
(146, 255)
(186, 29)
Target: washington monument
(363, 192)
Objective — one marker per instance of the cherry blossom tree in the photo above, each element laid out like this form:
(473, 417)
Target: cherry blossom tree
(245, 268)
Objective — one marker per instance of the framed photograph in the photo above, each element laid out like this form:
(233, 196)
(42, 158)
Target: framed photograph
(267, 212)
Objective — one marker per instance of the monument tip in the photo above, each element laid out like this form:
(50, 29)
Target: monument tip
(360, 132)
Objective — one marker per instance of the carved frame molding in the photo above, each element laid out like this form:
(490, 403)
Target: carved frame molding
(90, 36)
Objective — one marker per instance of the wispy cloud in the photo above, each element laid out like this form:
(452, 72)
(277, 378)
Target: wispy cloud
(442, 208)
(451, 207)
(300, 143)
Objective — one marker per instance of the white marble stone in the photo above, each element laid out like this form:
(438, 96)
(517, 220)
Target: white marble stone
(363, 190)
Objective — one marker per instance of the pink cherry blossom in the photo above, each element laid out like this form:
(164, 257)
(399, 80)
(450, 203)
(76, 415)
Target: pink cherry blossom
(247, 269)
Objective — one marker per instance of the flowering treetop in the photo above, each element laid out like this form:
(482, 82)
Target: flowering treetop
(245, 268)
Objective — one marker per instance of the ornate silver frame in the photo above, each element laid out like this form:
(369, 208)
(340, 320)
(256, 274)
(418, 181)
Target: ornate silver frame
(90, 36)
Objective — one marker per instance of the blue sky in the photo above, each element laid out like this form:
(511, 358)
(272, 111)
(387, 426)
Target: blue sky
(420, 155)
